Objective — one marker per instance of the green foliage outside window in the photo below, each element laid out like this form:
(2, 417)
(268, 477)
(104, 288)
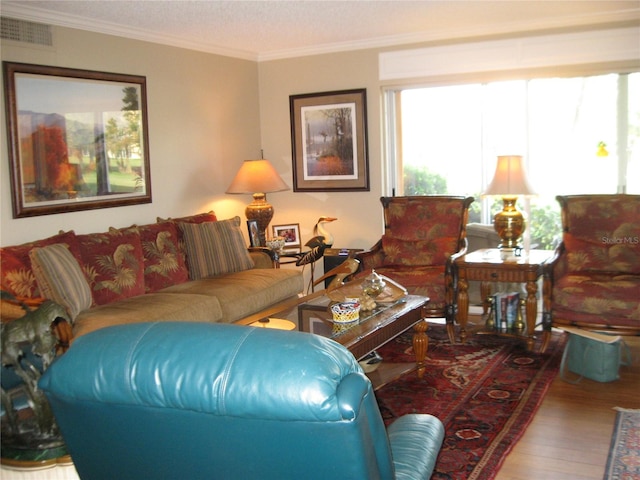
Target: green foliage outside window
(420, 181)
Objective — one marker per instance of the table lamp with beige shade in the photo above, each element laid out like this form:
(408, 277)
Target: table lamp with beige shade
(257, 178)
(509, 182)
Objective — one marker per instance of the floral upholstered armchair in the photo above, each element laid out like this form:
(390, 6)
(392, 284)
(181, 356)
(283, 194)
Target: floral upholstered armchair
(596, 271)
(422, 237)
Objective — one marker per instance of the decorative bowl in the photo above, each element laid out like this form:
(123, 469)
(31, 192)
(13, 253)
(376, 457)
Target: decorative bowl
(345, 315)
(276, 243)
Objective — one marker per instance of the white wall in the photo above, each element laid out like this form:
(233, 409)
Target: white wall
(203, 122)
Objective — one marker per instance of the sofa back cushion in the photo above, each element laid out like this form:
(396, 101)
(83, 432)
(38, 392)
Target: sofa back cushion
(197, 218)
(114, 265)
(16, 275)
(60, 278)
(601, 233)
(164, 263)
(215, 248)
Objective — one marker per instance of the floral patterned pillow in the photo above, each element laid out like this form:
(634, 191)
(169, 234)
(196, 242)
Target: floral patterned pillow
(164, 265)
(114, 265)
(16, 275)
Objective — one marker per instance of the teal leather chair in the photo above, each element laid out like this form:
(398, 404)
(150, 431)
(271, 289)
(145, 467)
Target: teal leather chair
(173, 400)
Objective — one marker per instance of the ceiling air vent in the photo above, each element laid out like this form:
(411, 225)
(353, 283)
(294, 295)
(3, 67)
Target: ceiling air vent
(29, 32)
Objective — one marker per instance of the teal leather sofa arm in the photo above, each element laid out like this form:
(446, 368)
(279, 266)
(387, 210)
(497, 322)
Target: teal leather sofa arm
(199, 400)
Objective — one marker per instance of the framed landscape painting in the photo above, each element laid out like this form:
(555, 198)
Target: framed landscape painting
(329, 141)
(78, 139)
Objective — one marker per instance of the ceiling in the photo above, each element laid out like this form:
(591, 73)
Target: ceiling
(270, 29)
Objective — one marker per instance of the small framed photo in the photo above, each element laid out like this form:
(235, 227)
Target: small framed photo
(254, 233)
(290, 233)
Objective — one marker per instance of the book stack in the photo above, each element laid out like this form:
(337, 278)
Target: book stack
(506, 306)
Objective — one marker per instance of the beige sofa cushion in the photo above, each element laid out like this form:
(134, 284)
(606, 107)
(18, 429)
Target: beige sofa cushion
(244, 293)
(147, 308)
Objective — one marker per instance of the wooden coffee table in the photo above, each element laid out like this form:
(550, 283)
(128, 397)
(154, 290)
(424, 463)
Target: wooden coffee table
(312, 314)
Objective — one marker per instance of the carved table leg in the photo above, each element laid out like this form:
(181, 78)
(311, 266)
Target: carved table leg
(546, 313)
(485, 293)
(420, 345)
(532, 312)
(463, 310)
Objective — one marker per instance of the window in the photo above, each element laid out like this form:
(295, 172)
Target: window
(577, 135)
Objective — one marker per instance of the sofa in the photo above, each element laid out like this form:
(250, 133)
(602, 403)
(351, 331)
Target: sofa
(231, 402)
(595, 272)
(194, 268)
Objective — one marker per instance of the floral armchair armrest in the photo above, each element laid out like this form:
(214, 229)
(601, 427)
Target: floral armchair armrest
(557, 266)
(371, 258)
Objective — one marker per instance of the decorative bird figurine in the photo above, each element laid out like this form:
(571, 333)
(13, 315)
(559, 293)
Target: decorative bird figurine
(318, 244)
(340, 273)
(320, 234)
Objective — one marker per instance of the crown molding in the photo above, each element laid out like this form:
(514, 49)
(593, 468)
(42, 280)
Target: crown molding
(25, 12)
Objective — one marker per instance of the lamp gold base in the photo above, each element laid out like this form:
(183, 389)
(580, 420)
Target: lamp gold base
(262, 212)
(509, 223)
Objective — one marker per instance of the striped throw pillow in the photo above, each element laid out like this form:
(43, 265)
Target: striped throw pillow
(215, 248)
(60, 278)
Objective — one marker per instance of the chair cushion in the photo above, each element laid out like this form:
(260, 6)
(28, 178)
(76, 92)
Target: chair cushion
(416, 220)
(422, 231)
(434, 251)
(598, 299)
(60, 278)
(602, 234)
(215, 248)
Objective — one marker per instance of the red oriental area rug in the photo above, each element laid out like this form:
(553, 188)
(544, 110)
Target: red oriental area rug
(624, 454)
(485, 392)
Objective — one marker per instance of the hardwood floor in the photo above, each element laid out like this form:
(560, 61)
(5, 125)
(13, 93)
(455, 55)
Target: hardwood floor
(569, 437)
(570, 434)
